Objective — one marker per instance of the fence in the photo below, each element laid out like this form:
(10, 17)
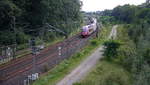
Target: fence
(7, 53)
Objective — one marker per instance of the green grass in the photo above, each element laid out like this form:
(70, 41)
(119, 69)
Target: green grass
(23, 54)
(107, 73)
(53, 42)
(66, 66)
(105, 31)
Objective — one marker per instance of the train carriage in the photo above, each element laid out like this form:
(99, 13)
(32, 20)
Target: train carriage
(89, 29)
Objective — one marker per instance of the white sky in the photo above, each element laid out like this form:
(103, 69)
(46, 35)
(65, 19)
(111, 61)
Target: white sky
(99, 5)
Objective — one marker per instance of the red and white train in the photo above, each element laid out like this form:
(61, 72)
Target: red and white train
(89, 29)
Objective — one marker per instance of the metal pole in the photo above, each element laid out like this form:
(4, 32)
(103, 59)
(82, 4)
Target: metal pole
(28, 81)
(14, 27)
(25, 82)
(34, 50)
(34, 62)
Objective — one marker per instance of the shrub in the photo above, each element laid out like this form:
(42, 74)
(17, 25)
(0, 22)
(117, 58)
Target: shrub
(94, 42)
(111, 49)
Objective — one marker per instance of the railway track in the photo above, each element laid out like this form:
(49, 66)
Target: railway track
(27, 57)
(15, 72)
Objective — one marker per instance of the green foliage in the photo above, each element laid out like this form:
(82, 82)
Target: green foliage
(133, 54)
(106, 73)
(7, 38)
(107, 19)
(142, 78)
(111, 48)
(128, 14)
(144, 13)
(125, 13)
(7, 11)
(77, 84)
(146, 55)
(28, 18)
(107, 13)
(136, 52)
(94, 42)
(21, 38)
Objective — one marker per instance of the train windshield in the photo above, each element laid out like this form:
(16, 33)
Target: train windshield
(85, 29)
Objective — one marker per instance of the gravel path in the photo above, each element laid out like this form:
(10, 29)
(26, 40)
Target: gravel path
(113, 33)
(80, 72)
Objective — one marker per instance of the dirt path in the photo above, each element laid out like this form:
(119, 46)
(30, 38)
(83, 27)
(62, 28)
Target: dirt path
(79, 73)
(113, 33)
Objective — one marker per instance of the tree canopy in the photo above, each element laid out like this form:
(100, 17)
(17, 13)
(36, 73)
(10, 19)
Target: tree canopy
(28, 17)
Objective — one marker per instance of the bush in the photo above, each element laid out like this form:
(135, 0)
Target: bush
(94, 43)
(22, 38)
(111, 48)
(77, 84)
(7, 38)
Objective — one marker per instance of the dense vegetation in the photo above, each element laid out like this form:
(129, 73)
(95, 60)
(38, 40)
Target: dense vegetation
(22, 19)
(130, 63)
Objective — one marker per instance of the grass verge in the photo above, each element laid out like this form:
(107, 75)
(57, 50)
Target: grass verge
(107, 73)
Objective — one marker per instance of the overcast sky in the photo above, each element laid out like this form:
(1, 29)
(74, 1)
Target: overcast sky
(96, 5)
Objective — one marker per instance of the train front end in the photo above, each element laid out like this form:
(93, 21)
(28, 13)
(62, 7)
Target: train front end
(84, 31)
